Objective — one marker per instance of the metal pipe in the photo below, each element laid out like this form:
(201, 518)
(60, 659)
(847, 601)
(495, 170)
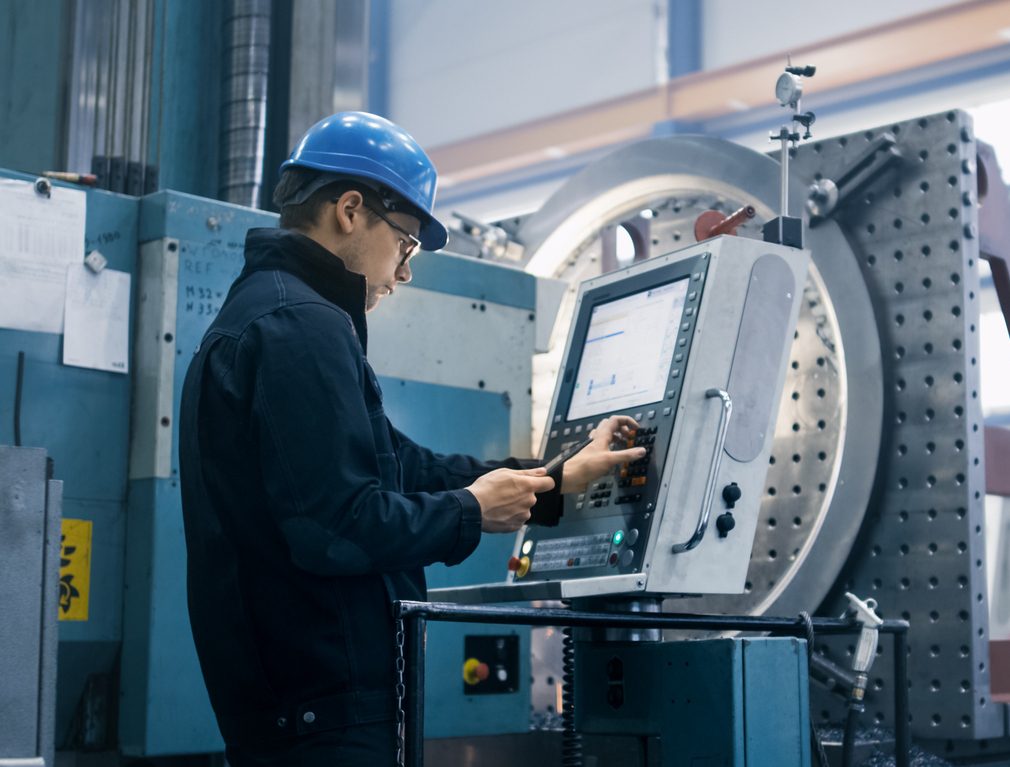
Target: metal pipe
(543, 616)
(244, 107)
(414, 719)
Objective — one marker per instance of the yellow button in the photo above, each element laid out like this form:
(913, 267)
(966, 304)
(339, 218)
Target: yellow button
(474, 672)
(524, 567)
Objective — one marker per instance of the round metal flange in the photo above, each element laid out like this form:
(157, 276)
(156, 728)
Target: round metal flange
(828, 434)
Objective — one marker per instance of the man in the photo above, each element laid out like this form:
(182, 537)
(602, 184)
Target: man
(306, 512)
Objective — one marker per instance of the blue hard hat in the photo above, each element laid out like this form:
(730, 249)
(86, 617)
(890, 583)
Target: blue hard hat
(363, 145)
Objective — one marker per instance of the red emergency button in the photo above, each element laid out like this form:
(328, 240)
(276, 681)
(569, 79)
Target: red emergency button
(475, 672)
(519, 565)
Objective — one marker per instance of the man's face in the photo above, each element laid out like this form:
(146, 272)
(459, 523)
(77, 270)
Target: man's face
(380, 253)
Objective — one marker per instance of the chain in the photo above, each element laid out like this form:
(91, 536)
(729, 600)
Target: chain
(400, 665)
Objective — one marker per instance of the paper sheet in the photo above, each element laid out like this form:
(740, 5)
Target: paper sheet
(39, 238)
(97, 332)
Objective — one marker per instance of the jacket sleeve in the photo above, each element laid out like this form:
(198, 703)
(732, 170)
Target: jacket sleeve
(320, 465)
(426, 470)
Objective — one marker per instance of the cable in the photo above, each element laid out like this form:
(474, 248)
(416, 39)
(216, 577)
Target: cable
(571, 740)
(815, 738)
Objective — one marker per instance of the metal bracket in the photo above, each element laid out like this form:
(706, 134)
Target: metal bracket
(713, 471)
(827, 194)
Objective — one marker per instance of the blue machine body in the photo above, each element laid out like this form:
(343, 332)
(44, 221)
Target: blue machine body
(728, 702)
(85, 419)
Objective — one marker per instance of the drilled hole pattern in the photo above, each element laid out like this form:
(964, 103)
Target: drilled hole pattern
(919, 554)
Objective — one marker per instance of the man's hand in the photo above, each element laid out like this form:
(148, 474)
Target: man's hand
(506, 497)
(597, 459)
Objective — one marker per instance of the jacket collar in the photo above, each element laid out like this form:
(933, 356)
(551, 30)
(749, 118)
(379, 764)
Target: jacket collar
(306, 259)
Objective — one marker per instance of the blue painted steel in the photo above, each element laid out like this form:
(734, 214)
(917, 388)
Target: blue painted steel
(185, 101)
(471, 278)
(732, 702)
(138, 559)
(776, 700)
(32, 78)
(435, 416)
(684, 33)
(378, 57)
(82, 418)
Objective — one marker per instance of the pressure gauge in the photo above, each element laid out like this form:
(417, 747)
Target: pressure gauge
(788, 89)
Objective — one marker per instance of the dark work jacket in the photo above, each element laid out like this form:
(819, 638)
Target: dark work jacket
(306, 513)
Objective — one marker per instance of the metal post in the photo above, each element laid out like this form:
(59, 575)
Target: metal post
(902, 735)
(416, 628)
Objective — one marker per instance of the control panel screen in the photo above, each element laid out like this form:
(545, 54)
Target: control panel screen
(628, 349)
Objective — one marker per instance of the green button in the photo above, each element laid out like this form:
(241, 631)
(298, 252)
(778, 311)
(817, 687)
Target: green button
(618, 537)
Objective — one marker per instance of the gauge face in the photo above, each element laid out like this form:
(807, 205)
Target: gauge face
(788, 89)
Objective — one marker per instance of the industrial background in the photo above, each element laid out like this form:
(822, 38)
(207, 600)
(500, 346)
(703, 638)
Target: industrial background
(573, 138)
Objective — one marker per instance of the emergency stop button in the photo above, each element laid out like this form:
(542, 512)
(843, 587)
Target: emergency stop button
(475, 672)
(519, 565)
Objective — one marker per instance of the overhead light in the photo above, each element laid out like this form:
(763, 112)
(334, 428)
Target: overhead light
(555, 152)
(737, 105)
(1004, 33)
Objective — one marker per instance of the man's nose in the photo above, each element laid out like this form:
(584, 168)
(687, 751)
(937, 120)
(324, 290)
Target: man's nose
(403, 273)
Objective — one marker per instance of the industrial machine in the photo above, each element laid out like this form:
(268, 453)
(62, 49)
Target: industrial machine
(876, 474)
(854, 439)
(671, 342)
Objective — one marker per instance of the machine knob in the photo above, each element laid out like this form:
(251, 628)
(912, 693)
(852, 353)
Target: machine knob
(731, 494)
(724, 523)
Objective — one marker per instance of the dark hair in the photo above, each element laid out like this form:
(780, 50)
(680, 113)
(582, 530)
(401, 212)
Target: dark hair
(306, 214)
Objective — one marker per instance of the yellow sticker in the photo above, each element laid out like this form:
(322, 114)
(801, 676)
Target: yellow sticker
(75, 569)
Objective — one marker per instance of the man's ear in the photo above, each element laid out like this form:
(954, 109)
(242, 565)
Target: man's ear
(349, 211)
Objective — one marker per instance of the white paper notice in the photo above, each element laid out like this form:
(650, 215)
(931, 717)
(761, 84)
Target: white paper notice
(39, 238)
(97, 332)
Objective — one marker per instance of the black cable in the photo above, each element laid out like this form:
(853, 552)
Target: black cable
(849, 739)
(18, 387)
(571, 740)
(815, 738)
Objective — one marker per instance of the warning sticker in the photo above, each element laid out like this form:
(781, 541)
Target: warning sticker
(75, 569)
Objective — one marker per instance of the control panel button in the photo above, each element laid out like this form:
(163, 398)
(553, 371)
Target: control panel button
(651, 414)
(519, 565)
(627, 557)
(667, 410)
(475, 672)
(618, 538)
(632, 537)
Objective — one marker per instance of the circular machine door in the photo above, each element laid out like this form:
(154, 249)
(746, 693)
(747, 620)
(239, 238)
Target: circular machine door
(828, 433)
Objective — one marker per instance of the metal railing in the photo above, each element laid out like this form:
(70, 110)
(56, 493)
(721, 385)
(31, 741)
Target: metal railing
(416, 616)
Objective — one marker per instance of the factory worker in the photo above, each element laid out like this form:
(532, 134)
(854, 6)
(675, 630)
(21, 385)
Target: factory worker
(306, 512)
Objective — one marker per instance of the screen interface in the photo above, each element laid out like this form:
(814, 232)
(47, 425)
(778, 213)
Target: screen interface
(628, 349)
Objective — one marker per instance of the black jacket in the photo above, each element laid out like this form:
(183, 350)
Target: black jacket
(306, 512)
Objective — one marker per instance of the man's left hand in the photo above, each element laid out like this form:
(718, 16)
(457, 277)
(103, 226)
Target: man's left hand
(597, 458)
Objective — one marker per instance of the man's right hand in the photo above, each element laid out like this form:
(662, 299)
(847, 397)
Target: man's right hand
(506, 497)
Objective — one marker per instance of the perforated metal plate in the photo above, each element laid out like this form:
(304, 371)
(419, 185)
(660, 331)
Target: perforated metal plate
(920, 553)
(822, 461)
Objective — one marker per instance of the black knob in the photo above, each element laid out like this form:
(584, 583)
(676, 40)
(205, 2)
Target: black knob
(731, 494)
(724, 523)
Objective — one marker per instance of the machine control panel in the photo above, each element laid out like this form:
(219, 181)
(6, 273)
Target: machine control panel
(670, 342)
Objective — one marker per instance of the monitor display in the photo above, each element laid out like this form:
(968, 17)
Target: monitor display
(627, 352)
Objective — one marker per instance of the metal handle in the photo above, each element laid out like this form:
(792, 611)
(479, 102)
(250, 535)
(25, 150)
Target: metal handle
(713, 471)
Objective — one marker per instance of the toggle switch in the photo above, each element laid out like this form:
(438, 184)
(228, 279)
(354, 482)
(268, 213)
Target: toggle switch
(724, 523)
(731, 494)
